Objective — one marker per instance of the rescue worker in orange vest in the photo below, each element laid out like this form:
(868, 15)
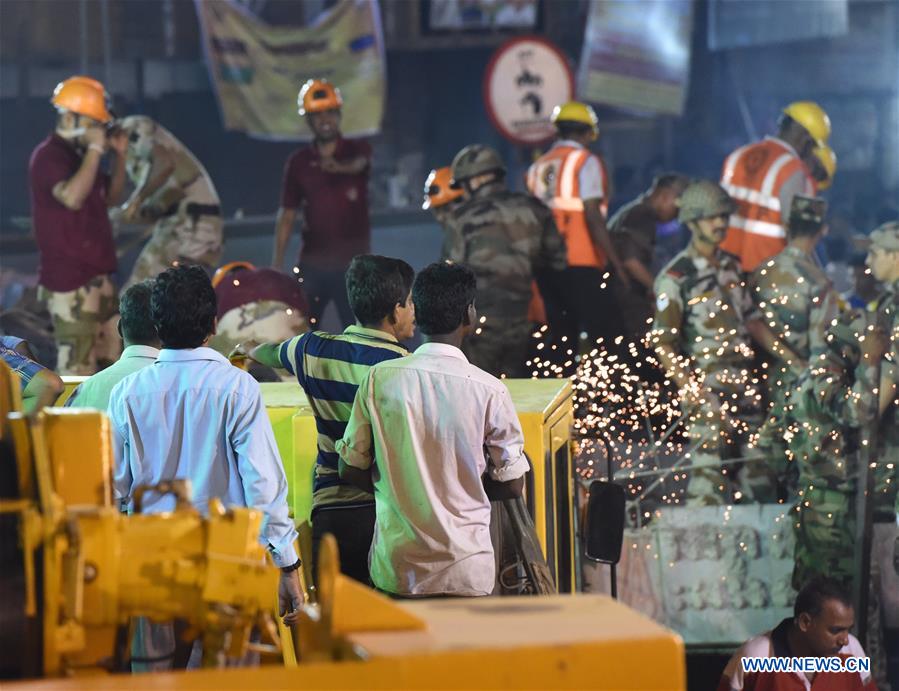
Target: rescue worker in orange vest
(764, 177)
(441, 198)
(572, 181)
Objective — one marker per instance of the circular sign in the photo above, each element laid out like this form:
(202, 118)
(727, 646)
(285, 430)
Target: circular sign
(525, 79)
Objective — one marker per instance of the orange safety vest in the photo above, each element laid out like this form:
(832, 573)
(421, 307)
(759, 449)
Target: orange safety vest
(554, 178)
(753, 176)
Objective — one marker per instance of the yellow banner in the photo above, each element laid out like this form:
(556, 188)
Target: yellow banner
(257, 69)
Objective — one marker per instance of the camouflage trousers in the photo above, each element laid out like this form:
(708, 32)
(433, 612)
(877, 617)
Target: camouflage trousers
(500, 347)
(824, 528)
(266, 321)
(84, 326)
(772, 435)
(179, 238)
(725, 467)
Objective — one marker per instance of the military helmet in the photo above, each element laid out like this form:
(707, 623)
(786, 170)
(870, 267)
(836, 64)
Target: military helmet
(807, 212)
(886, 236)
(703, 199)
(476, 159)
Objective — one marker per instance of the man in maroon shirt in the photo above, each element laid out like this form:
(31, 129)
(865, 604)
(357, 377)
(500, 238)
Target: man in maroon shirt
(329, 179)
(70, 195)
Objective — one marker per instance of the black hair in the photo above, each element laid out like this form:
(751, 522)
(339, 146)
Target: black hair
(816, 592)
(184, 307)
(665, 180)
(569, 129)
(375, 285)
(441, 294)
(136, 319)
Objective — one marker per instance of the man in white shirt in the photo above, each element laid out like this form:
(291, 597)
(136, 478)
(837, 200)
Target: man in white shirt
(192, 415)
(141, 348)
(445, 434)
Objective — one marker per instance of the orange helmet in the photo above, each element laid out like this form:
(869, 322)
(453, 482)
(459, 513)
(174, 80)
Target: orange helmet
(84, 96)
(227, 269)
(438, 190)
(317, 95)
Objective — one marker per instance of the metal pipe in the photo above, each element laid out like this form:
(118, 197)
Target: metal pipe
(107, 44)
(82, 14)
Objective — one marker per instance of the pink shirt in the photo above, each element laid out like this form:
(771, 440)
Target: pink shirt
(430, 425)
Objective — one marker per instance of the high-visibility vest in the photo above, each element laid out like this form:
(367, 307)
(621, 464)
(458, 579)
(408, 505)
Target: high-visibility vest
(753, 176)
(554, 178)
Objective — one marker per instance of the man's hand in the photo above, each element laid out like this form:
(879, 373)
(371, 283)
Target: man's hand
(95, 136)
(118, 141)
(351, 167)
(290, 597)
(875, 344)
(131, 211)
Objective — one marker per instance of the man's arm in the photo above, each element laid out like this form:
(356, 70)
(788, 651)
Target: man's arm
(283, 226)
(268, 354)
(71, 193)
(778, 349)
(356, 449)
(118, 142)
(261, 472)
(504, 442)
(42, 391)
(161, 169)
(639, 273)
(596, 224)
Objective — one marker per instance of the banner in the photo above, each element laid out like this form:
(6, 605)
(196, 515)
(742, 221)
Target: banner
(637, 55)
(257, 69)
(738, 24)
(715, 575)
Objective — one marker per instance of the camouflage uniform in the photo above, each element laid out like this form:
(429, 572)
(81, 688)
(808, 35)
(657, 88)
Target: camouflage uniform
(189, 226)
(798, 303)
(505, 237)
(701, 311)
(84, 325)
(261, 321)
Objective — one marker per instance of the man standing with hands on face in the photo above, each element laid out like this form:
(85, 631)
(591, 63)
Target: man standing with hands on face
(70, 196)
(330, 180)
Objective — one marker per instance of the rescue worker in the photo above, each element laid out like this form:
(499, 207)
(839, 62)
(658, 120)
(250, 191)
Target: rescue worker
(764, 177)
(329, 180)
(835, 409)
(633, 233)
(172, 191)
(441, 198)
(799, 303)
(256, 304)
(508, 239)
(572, 181)
(70, 196)
(703, 323)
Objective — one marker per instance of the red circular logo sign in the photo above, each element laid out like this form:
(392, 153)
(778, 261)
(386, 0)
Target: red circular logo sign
(525, 79)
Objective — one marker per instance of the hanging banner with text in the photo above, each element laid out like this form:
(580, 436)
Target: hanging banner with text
(636, 55)
(257, 69)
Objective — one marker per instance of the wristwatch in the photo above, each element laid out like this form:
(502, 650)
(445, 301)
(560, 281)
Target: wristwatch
(293, 567)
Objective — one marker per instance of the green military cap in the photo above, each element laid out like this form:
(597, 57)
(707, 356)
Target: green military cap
(476, 159)
(810, 210)
(703, 199)
(886, 237)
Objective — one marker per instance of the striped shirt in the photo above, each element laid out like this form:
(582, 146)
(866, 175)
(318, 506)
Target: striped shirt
(330, 368)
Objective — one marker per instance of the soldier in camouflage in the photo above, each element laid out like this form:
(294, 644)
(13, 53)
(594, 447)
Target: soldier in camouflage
(799, 303)
(508, 239)
(173, 191)
(703, 325)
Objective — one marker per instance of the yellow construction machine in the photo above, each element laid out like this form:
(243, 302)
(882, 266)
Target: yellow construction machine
(77, 571)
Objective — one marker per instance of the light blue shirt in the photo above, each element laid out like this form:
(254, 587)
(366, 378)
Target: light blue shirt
(94, 391)
(192, 415)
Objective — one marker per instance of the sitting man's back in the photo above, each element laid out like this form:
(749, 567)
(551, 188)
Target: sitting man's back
(435, 423)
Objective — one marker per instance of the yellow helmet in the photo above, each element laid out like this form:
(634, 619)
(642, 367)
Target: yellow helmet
(812, 117)
(828, 160)
(574, 111)
(317, 95)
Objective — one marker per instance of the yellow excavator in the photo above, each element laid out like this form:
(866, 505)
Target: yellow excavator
(77, 571)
